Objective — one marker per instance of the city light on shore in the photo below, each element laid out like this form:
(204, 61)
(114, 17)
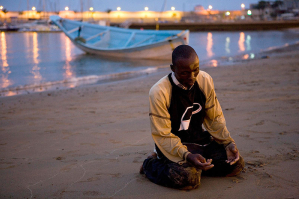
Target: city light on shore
(33, 8)
(243, 6)
(118, 8)
(210, 7)
(66, 8)
(172, 8)
(91, 8)
(227, 13)
(1, 7)
(146, 8)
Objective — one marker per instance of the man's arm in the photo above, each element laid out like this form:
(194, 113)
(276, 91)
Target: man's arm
(169, 144)
(214, 121)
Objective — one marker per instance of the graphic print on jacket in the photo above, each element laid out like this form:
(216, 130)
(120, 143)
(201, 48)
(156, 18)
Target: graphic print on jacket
(191, 110)
(187, 112)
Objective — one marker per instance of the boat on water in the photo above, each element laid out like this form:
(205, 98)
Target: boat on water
(9, 27)
(119, 42)
(39, 26)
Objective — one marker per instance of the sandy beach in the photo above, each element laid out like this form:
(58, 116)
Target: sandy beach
(89, 142)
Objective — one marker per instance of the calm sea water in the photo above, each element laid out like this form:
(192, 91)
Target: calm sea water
(34, 62)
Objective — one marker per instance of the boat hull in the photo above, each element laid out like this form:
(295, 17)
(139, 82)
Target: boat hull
(160, 51)
(143, 48)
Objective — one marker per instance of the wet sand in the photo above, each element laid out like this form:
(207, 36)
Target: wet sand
(89, 142)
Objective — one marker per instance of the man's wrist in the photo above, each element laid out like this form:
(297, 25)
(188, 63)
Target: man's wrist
(185, 155)
(225, 146)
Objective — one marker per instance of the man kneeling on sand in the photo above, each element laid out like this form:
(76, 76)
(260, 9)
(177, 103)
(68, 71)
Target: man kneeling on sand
(180, 103)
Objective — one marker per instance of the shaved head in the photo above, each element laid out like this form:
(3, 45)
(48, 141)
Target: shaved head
(185, 65)
(182, 52)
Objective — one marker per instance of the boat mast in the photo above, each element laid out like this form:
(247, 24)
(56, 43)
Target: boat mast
(44, 9)
(162, 10)
(81, 6)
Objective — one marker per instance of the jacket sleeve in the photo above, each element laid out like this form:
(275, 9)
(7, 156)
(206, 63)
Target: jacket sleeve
(214, 121)
(169, 144)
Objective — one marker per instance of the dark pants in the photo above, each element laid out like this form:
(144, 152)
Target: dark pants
(167, 173)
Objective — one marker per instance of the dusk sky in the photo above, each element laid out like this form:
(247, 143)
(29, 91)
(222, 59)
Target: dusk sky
(126, 5)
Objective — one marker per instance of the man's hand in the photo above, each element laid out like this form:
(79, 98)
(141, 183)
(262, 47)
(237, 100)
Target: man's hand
(199, 162)
(232, 153)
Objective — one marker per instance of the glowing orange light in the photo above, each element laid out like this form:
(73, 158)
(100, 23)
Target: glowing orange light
(5, 82)
(241, 42)
(245, 56)
(210, 45)
(68, 58)
(35, 69)
(214, 63)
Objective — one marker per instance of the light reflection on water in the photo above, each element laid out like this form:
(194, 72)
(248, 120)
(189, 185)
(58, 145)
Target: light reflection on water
(210, 45)
(5, 81)
(227, 50)
(33, 60)
(241, 42)
(68, 58)
(35, 69)
(248, 38)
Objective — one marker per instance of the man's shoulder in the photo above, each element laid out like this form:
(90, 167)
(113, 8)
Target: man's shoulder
(162, 86)
(204, 76)
(205, 82)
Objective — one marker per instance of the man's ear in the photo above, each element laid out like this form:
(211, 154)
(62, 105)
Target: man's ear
(172, 68)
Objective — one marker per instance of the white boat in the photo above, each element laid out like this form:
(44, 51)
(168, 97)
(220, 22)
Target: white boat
(39, 26)
(122, 43)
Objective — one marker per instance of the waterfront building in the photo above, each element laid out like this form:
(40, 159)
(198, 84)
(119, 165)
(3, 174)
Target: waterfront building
(255, 12)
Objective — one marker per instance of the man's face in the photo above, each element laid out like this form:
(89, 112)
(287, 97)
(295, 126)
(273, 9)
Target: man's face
(186, 70)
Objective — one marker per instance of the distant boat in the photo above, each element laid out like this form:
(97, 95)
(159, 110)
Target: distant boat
(9, 27)
(38, 26)
(122, 43)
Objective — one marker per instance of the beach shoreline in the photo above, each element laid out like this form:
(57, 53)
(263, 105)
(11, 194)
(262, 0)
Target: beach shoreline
(122, 76)
(89, 142)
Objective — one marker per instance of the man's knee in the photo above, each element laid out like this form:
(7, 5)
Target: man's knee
(238, 168)
(171, 174)
(184, 177)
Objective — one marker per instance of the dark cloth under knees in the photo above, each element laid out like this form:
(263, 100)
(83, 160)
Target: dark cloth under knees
(166, 173)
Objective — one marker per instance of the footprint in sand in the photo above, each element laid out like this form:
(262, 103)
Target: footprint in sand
(260, 123)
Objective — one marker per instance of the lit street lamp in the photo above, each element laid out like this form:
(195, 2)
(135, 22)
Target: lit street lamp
(146, 8)
(33, 8)
(91, 9)
(172, 8)
(118, 8)
(66, 8)
(227, 13)
(242, 5)
(210, 7)
(1, 7)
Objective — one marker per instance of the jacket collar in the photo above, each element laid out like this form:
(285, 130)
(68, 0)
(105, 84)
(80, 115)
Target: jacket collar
(176, 82)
